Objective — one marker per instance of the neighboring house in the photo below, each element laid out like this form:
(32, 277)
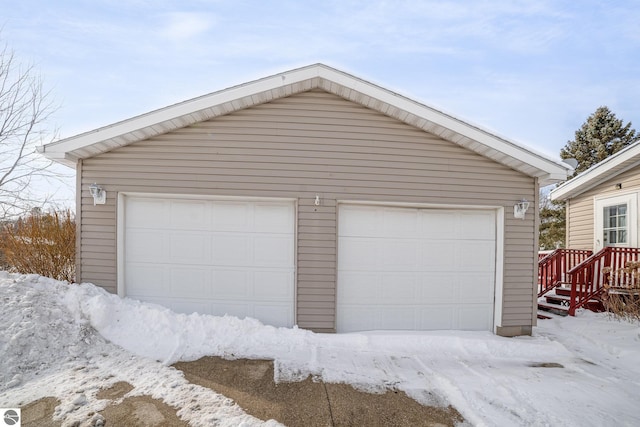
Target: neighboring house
(313, 198)
(602, 203)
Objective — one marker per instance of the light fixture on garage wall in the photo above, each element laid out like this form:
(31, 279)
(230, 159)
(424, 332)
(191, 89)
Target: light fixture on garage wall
(520, 208)
(98, 193)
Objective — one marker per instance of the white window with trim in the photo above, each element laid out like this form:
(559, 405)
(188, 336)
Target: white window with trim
(616, 221)
(615, 225)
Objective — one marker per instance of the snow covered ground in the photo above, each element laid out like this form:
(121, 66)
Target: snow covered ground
(70, 341)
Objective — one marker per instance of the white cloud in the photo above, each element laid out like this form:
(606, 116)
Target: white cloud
(181, 26)
(443, 26)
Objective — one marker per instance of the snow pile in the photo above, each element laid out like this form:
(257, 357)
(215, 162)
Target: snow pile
(158, 333)
(573, 371)
(48, 347)
(35, 333)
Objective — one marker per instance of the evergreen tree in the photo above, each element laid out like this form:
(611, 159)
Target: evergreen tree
(552, 223)
(599, 137)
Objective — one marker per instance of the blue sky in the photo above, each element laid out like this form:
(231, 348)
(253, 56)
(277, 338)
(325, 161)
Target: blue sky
(531, 70)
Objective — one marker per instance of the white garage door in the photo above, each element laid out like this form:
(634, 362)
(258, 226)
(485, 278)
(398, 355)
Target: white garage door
(212, 256)
(415, 269)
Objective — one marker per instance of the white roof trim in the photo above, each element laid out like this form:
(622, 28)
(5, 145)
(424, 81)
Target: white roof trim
(609, 168)
(68, 151)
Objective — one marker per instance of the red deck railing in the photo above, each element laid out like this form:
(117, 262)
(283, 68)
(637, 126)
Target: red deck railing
(553, 268)
(588, 279)
(543, 254)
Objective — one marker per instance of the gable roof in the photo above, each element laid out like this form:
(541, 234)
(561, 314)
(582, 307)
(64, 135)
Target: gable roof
(624, 160)
(69, 150)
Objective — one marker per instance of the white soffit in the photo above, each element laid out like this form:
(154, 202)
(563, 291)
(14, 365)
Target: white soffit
(624, 160)
(501, 150)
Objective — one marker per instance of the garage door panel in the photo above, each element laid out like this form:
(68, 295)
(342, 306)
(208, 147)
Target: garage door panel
(273, 251)
(437, 317)
(477, 225)
(231, 284)
(476, 256)
(397, 318)
(273, 218)
(231, 216)
(358, 318)
(358, 221)
(399, 255)
(475, 318)
(188, 215)
(362, 289)
(191, 282)
(398, 223)
(398, 288)
(439, 288)
(144, 246)
(476, 288)
(273, 285)
(438, 255)
(188, 247)
(253, 285)
(145, 213)
(231, 250)
(274, 314)
(437, 225)
(363, 253)
(409, 268)
(147, 279)
(212, 256)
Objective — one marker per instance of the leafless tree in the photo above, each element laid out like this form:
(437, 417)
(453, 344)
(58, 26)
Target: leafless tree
(25, 108)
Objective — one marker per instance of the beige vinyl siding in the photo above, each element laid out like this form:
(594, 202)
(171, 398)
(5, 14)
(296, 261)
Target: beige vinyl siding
(297, 147)
(580, 225)
(580, 210)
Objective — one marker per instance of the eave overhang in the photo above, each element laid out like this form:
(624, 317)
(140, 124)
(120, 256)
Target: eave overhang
(624, 160)
(318, 76)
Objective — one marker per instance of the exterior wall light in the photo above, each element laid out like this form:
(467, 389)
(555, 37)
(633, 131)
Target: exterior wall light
(520, 208)
(98, 193)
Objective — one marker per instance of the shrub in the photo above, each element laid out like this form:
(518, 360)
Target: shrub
(622, 292)
(42, 243)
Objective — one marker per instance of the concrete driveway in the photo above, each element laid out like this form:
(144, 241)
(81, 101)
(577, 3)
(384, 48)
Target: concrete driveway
(250, 384)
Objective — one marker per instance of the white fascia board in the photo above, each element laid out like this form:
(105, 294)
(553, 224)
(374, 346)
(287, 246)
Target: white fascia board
(58, 157)
(552, 179)
(181, 109)
(598, 173)
(551, 167)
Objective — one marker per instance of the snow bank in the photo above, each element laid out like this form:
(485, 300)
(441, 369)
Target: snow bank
(573, 372)
(49, 347)
(158, 333)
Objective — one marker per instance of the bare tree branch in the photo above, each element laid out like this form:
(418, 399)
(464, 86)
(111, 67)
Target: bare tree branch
(25, 108)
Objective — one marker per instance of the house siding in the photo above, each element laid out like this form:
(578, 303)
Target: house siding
(581, 209)
(297, 147)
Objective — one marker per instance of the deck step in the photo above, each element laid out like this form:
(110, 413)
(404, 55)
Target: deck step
(545, 315)
(563, 299)
(558, 309)
(563, 291)
(556, 299)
